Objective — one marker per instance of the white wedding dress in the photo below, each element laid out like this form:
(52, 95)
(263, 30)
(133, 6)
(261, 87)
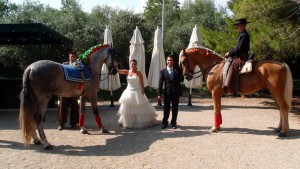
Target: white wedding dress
(135, 110)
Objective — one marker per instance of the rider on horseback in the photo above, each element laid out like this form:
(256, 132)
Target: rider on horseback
(239, 56)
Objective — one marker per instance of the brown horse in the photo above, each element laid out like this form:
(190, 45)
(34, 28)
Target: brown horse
(45, 78)
(274, 76)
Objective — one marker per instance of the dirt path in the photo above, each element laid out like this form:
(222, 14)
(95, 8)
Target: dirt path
(246, 141)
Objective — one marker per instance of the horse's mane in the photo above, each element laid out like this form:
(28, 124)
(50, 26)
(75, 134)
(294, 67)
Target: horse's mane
(84, 56)
(207, 49)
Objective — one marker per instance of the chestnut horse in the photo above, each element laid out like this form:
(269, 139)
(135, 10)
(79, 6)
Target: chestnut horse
(274, 76)
(45, 78)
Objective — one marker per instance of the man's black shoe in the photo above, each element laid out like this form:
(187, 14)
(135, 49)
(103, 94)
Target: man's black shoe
(174, 127)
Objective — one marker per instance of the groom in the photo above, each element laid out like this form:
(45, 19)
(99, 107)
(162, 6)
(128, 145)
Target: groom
(170, 77)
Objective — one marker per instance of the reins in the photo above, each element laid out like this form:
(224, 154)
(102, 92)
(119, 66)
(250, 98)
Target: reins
(201, 72)
(99, 74)
(204, 70)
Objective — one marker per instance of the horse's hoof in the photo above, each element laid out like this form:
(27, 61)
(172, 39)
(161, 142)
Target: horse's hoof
(214, 129)
(48, 147)
(277, 130)
(37, 142)
(104, 130)
(83, 131)
(282, 134)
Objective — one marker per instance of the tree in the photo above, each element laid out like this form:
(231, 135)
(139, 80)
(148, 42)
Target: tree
(153, 12)
(199, 12)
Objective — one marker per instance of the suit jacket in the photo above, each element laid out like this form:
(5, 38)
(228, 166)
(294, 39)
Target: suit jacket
(172, 86)
(243, 46)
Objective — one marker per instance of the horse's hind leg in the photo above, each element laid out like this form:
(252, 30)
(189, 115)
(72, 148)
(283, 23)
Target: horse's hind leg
(38, 119)
(283, 125)
(36, 140)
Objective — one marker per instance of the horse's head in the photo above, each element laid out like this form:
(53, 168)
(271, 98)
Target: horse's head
(201, 56)
(186, 65)
(111, 61)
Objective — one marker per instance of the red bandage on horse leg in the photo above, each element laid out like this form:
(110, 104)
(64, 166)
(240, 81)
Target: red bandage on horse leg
(218, 119)
(81, 120)
(98, 120)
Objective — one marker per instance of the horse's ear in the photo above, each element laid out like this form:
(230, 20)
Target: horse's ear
(113, 51)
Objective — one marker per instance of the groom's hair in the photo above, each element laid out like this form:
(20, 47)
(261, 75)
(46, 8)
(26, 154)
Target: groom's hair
(170, 56)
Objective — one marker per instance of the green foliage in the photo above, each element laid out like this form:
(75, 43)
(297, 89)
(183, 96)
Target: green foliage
(153, 12)
(296, 91)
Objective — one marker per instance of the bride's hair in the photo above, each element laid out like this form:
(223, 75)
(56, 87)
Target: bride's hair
(133, 60)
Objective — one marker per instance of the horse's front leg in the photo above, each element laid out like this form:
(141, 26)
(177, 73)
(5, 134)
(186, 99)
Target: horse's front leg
(216, 95)
(97, 117)
(81, 116)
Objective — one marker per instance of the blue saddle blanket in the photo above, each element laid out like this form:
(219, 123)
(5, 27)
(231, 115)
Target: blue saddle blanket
(72, 73)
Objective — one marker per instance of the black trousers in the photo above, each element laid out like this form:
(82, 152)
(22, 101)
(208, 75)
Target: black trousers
(167, 102)
(65, 102)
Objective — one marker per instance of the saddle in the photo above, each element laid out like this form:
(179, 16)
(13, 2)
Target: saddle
(76, 72)
(246, 68)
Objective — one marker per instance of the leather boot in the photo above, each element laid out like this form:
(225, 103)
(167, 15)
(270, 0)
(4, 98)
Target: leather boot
(236, 87)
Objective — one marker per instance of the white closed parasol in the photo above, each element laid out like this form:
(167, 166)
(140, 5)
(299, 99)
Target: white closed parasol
(157, 60)
(137, 52)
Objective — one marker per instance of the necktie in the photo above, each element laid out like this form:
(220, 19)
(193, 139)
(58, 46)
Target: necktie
(171, 73)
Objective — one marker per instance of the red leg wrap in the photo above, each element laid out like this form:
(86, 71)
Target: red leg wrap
(81, 120)
(218, 119)
(98, 120)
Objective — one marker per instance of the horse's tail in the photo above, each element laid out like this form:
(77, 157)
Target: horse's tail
(288, 90)
(27, 108)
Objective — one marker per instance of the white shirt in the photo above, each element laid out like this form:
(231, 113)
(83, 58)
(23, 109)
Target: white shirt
(170, 70)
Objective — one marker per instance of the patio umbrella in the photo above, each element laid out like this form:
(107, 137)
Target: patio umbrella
(195, 83)
(137, 52)
(113, 81)
(157, 60)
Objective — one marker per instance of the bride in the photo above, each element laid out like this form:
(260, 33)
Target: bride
(135, 110)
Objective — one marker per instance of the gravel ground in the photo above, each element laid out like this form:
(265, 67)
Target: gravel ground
(246, 140)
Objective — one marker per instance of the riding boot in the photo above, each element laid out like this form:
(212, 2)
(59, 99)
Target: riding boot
(236, 87)
(228, 84)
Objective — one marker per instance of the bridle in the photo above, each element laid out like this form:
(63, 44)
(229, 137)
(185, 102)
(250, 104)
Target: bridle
(190, 74)
(111, 68)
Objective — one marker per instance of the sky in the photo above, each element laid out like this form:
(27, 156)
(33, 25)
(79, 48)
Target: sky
(87, 5)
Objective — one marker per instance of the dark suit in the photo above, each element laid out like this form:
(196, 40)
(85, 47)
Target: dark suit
(172, 92)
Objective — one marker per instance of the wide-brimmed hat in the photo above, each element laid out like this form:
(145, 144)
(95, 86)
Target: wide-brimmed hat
(241, 21)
